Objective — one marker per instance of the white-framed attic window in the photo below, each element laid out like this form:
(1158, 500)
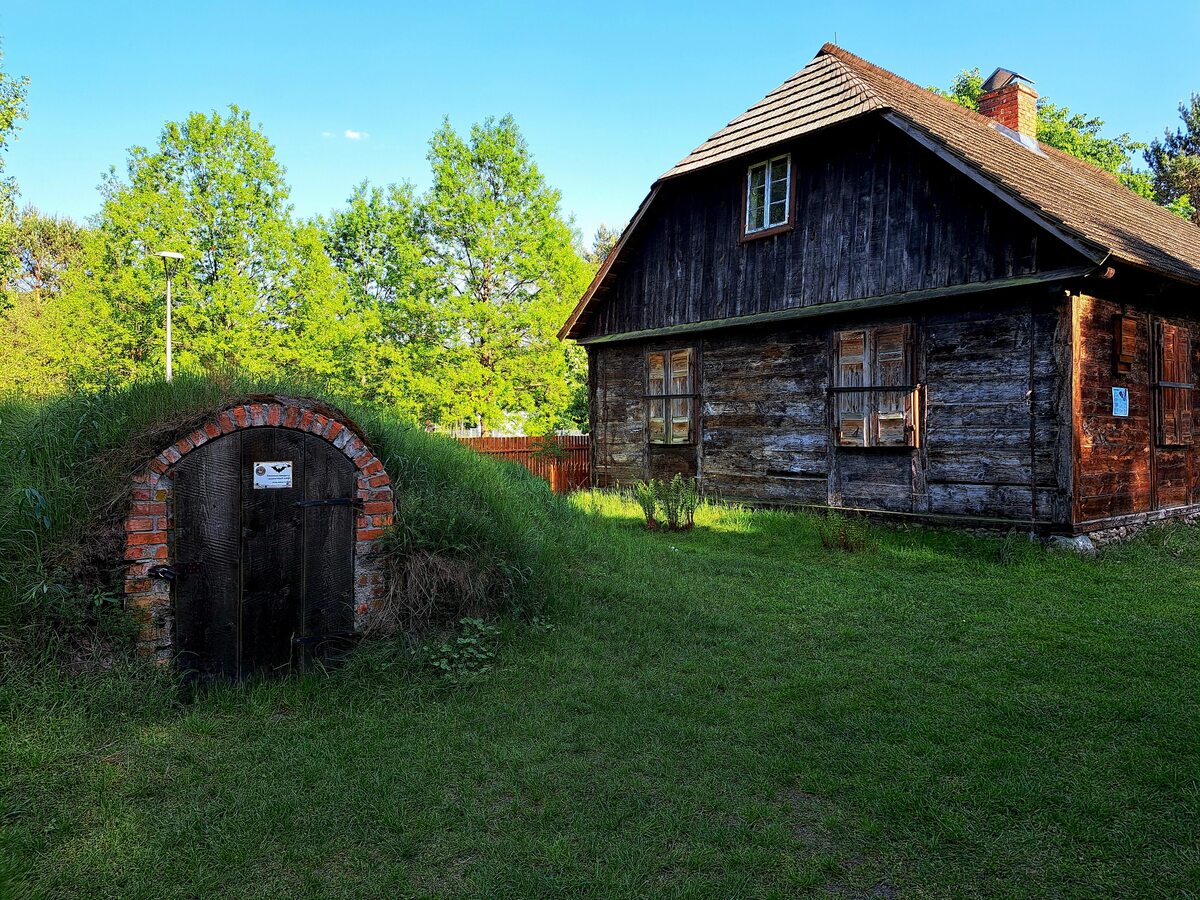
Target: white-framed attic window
(769, 194)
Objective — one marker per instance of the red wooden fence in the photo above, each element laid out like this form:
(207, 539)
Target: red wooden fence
(564, 461)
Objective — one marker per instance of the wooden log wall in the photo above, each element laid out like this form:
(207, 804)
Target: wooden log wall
(875, 214)
(1120, 468)
(990, 447)
(617, 412)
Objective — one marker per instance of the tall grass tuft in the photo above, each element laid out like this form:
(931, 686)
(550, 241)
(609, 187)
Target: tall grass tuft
(839, 531)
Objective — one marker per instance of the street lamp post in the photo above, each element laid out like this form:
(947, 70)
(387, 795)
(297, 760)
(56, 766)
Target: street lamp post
(170, 262)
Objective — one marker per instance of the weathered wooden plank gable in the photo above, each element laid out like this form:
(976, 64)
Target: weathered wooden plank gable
(875, 214)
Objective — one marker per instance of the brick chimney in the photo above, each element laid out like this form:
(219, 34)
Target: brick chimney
(1011, 101)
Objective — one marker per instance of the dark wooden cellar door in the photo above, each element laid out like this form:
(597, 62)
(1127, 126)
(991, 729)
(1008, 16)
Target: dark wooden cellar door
(264, 577)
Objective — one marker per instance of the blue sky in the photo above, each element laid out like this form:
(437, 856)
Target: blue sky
(609, 95)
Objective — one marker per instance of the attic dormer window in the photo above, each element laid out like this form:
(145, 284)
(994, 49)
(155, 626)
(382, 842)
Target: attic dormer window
(769, 195)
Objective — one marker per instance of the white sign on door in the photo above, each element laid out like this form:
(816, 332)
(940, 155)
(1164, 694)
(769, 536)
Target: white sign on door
(273, 474)
(1120, 401)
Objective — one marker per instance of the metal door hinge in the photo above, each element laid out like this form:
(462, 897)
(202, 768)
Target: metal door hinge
(303, 640)
(332, 501)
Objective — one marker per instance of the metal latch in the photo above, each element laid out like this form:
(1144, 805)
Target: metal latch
(164, 572)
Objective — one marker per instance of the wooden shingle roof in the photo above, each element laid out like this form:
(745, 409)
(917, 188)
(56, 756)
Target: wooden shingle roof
(1089, 209)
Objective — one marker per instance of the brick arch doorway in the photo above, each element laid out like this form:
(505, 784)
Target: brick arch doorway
(235, 573)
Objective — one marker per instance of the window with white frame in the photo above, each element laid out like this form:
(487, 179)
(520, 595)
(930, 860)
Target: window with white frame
(670, 397)
(768, 194)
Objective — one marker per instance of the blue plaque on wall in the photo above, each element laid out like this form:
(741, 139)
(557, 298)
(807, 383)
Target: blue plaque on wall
(1120, 401)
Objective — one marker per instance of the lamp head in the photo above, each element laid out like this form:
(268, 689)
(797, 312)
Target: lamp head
(170, 260)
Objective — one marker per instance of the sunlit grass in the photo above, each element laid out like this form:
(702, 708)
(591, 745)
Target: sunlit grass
(729, 711)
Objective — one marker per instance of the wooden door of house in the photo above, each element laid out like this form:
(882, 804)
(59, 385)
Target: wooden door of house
(263, 553)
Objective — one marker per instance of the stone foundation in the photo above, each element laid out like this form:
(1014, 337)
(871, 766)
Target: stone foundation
(1109, 536)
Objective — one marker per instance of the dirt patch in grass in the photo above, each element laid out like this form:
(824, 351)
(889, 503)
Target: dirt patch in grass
(809, 817)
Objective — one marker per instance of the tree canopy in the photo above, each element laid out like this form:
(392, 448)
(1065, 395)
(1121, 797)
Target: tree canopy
(603, 243)
(13, 91)
(1175, 162)
(508, 272)
(1075, 133)
(255, 290)
(445, 306)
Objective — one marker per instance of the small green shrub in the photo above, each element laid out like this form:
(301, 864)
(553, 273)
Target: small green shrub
(646, 495)
(468, 656)
(689, 501)
(668, 496)
(839, 531)
(677, 499)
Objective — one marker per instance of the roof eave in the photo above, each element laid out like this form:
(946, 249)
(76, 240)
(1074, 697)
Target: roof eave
(570, 327)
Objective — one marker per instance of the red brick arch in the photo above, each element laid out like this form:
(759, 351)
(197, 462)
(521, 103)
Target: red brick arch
(148, 525)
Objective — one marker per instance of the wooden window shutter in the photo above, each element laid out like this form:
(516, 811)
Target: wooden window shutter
(694, 367)
(852, 412)
(1124, 343)
(1162, 365)
(656, 414)
(912, 409)
(1184, 348)
(1173, 373)
(681, 407)
(892, 409)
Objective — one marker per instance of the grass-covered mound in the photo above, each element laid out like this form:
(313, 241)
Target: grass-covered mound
(474, 536)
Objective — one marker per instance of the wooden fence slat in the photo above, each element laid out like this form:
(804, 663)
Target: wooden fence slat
(567, 470)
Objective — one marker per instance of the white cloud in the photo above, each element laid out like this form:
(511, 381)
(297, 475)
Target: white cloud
(352, 135)
(326, 134)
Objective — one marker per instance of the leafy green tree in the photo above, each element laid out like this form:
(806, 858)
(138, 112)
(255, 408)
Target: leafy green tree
(1175, 163)
(43, 247)
(13, 91)
(379, 244)
(965, 90)
(253, 292)
(603, 243)
(1073, 133)
(509, 272)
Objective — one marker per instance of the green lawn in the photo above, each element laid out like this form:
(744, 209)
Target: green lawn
(730, 712)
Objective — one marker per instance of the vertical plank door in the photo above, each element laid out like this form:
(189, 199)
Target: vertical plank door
(272, 553)
(328, 604)
(207, 558)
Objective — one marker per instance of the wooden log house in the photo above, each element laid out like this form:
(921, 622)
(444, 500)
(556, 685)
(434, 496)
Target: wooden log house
(860, 294)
